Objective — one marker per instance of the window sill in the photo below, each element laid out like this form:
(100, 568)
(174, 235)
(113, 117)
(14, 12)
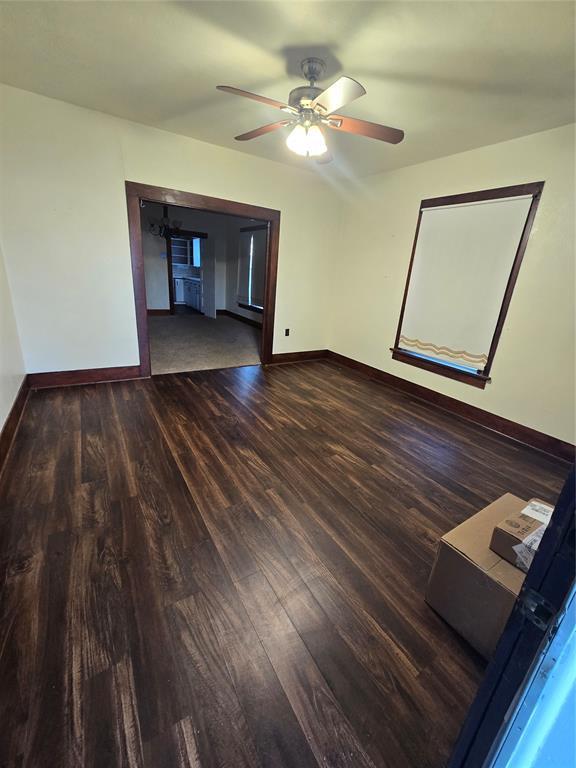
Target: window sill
(474, 379)
(252, 308)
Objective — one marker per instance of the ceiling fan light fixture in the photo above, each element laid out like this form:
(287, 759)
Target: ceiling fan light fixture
(307, 141)
(316, 142)
(297, 141)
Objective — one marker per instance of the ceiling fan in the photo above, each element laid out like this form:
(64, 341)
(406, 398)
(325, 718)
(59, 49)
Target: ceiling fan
(310, 109)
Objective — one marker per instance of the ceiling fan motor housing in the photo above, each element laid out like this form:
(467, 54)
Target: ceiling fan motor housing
(303, 95)
(313, 69)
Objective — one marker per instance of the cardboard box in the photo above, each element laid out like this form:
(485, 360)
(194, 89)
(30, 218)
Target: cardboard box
(472, 587)
(517, 538)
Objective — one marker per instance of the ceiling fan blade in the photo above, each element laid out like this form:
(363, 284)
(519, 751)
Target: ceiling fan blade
(337, 95)
(256, 97)
(262, 130)
(365, 128)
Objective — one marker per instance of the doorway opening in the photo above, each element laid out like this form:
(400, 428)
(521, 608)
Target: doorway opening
(204, 272)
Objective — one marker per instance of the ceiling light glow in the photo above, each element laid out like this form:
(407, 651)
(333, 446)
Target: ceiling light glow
(307, 141)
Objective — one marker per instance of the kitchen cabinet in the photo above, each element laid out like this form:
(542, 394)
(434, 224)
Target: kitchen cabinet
(179, 290)
(193, 294)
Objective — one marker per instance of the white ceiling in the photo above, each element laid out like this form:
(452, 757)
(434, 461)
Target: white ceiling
(452, 75)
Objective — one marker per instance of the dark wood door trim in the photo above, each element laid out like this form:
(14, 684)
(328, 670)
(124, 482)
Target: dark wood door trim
(188, 234)
(253, 229)
(170, 274)
(551, 578)
(136, 192)
(139, 282)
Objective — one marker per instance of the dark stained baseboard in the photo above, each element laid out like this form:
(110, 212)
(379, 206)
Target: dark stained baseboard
(247, 320)
(511, 429)
(154, 312)
(86, 376)
(299, 357)
(251, 308)
(11, 424)
(523, 434)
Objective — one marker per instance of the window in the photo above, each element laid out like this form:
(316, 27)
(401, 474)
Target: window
(186, 251)
(195, 252)
(465, 260)
(252, 267)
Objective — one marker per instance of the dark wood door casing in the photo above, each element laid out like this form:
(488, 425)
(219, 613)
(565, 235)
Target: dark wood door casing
(170, 273)
(135, 192)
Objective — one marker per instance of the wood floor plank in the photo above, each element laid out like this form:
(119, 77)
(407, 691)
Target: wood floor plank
(227, 569)
(111, 732)
(161, 701)
(222, 731)
(176, 749)
(236, 674)
(352, 683)
(330, 735)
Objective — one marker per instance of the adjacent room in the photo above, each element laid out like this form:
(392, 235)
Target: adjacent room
(287, 384)
(205, 276)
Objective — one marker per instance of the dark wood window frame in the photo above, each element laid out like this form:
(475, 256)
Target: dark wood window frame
(135, 193)
(480, 378)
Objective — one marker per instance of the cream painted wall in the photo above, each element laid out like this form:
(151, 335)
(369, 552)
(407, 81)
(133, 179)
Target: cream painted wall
(11, 362)
(344, 251)
(534, 367)
(63, 173)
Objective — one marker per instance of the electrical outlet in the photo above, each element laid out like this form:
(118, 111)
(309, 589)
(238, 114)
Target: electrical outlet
(287, 332)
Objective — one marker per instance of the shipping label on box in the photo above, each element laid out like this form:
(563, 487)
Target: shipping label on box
(518, 537)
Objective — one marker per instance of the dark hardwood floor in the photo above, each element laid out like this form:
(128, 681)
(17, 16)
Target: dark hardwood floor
(227, 568)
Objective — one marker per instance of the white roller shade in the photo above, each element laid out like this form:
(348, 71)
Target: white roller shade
(462, 262)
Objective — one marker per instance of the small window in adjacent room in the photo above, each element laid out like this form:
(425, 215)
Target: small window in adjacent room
(252, 268)
(195, 252)
(465, 260)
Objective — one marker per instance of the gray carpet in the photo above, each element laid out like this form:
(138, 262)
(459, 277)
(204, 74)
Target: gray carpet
(191, 342)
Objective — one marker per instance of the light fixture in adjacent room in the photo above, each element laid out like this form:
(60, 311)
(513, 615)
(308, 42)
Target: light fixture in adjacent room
(307, 141)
